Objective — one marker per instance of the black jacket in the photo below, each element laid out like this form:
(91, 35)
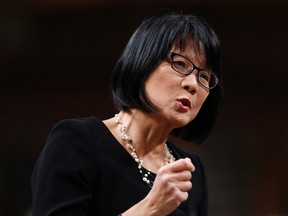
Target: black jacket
(83, 170)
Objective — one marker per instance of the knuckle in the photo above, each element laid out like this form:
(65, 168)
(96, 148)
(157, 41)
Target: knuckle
(186, 186)
(165, 179)
(161, 170)
(189, 185)
(185, 196)
(181, 197)
(189, 175)
(184, 162)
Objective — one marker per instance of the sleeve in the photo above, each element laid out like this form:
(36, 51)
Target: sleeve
(64, 174)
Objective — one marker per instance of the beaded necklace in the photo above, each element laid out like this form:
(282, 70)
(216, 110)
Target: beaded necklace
(128, 143)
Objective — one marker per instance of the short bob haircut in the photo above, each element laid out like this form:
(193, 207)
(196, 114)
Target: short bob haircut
(148, 47)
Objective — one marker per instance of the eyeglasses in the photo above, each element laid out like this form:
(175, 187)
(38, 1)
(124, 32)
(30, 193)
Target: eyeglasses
(183, 65)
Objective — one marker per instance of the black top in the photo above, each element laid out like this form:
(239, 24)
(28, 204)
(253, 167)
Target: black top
(83, 170)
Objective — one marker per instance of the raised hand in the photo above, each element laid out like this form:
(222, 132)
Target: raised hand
(170, 187)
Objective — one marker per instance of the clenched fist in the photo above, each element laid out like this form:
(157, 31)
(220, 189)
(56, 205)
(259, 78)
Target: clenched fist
(170, 187)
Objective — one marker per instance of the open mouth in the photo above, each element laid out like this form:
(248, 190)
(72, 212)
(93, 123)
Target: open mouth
(185, 102)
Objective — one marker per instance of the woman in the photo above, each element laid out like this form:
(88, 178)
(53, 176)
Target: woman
(165, 82)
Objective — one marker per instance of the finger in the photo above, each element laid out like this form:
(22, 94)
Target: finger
(181, 164)
(190, 164)
(184, 176)
(183, 196)
(184, 186)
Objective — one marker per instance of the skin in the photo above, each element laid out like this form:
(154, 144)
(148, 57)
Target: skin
(164, 86)
(150, 131)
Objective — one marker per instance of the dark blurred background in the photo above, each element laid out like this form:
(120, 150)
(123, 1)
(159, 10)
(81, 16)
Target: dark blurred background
(56, 58)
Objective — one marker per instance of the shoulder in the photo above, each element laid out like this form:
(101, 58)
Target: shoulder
(77, 124)
(84, 129)
(71, 139)
(65, 171)
(69, 147)
(80, 138)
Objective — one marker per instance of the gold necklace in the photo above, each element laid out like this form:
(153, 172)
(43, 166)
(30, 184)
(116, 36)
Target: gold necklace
(128, 143)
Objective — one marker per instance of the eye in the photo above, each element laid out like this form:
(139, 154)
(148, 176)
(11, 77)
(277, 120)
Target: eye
(205, 76)
(179, 64)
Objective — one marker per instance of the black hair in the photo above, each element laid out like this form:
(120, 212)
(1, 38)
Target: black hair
(148, 47)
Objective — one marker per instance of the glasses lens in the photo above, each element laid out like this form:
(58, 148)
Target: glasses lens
(181, 64)
(207, 79)
(184, 66)
(213, 81)
(204, 78)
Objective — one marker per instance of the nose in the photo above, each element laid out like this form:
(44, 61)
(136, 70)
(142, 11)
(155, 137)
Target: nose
(190, 83)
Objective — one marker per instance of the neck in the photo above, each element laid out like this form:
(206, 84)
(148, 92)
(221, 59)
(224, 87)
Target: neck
(148, 134)
(153, 164)
(141, 138)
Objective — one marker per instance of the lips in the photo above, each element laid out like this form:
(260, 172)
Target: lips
(185, 103)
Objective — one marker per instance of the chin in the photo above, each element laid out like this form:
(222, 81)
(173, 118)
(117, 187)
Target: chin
(183, 120)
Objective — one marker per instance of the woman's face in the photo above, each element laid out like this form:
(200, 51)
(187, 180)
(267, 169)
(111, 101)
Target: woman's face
(178, 96)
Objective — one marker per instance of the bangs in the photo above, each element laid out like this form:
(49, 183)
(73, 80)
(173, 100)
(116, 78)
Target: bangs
(183, 43)
(148, 47)
(186, 31)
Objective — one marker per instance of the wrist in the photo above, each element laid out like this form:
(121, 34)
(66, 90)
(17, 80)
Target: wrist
(143, 208)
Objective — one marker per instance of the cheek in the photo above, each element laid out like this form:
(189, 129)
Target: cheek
(158, 92)
(202, 98)
(158, 85)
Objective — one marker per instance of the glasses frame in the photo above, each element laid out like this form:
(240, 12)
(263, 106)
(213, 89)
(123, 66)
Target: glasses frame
(172, 54)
